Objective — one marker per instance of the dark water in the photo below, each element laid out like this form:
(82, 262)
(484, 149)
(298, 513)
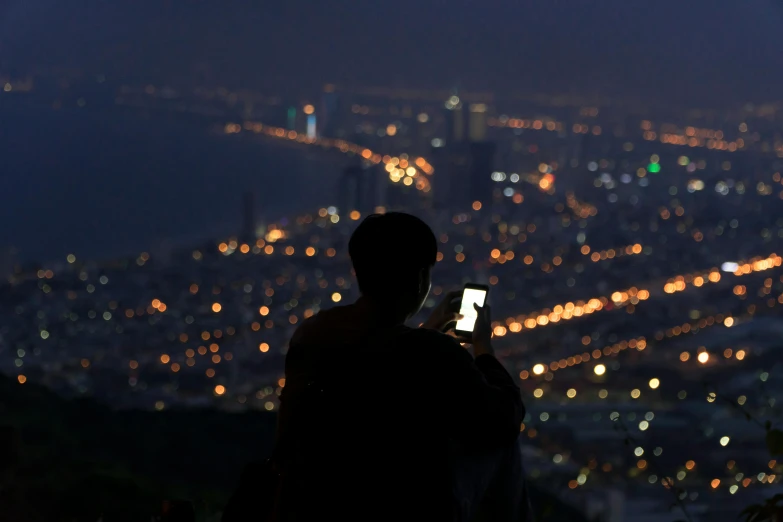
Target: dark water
(102, 184)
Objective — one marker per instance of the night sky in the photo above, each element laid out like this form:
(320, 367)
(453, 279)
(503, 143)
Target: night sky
(697, 51)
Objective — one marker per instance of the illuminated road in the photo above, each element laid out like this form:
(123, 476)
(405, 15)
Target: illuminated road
(401, 168)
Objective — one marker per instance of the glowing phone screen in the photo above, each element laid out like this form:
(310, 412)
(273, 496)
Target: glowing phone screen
(469, 297)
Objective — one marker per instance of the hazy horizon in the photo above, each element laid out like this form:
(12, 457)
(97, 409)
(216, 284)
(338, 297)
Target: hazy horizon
(666, 51)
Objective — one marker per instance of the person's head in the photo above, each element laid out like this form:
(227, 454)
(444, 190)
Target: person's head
(393, 255)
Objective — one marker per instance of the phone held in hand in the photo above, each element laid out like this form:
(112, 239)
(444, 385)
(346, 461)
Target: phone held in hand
(472, 294)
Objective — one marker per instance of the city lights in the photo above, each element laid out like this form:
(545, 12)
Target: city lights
(630, 262)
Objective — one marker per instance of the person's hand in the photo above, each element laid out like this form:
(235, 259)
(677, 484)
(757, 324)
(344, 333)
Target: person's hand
(482, 331)
(446, 314)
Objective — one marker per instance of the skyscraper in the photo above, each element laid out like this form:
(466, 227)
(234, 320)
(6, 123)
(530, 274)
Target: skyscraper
(452, 168)
(330, 113)
(455, 120)
(482, 161)
(377, 183)
(478, 122)
(352, 190)
(291, 118)
(464, 164)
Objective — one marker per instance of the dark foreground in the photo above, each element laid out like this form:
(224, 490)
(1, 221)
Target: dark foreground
(79, 461)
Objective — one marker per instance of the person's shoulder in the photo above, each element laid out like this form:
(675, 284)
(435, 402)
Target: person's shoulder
(302, 331)
(325, 323)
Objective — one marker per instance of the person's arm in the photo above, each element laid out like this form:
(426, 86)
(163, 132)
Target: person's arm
(484, 403)
(480, 400)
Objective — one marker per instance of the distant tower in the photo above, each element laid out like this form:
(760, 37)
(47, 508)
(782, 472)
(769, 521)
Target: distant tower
(477, 130)
(248, 218)
(482, 156)
(455, 120)
(291, 118)
(330, 107)
(351, 189)
(309, 111)
(376, 183)
(452, 163)
(464, 163)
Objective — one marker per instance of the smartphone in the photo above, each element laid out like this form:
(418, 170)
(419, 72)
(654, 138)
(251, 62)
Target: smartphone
(472, 293)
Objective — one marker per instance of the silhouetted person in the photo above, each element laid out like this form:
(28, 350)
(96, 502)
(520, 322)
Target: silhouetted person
(381, 421)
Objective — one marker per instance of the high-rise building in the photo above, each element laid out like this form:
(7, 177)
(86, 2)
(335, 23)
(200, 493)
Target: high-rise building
(478, 122)
(291, 118)
(377, 183)
(464, 163)
(354, 192)
(482, 161)
(452, 171)
(330, 113)
(455, 120)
